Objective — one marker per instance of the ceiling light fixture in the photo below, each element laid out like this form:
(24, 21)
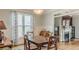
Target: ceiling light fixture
(38, 11)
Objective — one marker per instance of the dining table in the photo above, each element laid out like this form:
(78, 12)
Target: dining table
(40, 41)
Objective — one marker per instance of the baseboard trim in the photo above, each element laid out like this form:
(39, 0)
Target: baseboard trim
(76, 38)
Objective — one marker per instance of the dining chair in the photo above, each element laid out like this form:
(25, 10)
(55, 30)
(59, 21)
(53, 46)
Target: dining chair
(28, 45)
(52, 43)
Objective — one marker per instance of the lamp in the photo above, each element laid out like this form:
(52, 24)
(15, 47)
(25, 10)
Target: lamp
(38, 11)
(2, 25)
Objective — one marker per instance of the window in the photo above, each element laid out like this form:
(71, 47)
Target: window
(28, 24)
(21, 24)
(27, 20)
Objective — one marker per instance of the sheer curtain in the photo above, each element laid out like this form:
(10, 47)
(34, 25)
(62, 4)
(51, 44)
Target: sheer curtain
(21, 24)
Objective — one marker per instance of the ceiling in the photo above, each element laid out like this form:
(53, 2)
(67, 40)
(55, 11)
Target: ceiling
(62, 12)
(56, 12)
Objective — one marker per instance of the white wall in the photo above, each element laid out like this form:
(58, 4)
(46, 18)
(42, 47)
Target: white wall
(76, 24)
(48, 22)
(37, 24)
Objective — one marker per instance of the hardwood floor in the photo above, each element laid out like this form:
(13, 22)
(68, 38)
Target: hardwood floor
(73, 45)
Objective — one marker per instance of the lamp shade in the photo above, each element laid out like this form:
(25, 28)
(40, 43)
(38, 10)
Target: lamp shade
(2, 25)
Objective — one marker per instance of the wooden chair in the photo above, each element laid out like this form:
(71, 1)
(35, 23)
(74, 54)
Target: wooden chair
(28, 45)
(52, 43)
(25, 42)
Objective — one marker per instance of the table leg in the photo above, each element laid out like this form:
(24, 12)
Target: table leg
(55, 46)
(39, 46)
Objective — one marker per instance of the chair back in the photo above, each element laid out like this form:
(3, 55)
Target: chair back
(52, 41)
(25, 42)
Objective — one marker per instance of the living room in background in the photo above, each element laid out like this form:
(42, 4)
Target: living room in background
(21, 24)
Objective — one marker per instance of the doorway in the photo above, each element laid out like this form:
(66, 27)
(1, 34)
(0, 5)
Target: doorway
(57, 25)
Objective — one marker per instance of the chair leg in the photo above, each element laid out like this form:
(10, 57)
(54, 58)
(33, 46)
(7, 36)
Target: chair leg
(29, 45)
(48, 46)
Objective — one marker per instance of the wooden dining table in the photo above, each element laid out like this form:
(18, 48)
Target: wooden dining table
(39, 41)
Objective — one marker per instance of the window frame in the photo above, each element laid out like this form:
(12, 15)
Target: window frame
(23, 25)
